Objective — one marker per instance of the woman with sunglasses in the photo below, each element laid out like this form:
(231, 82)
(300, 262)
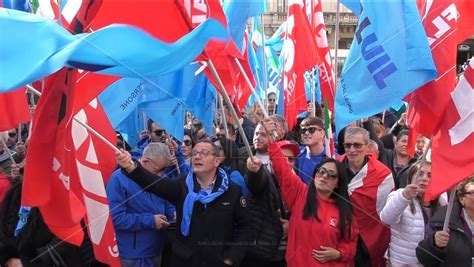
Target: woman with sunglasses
(187, 146)
(407, 214)
(229, 155)
(322, 231)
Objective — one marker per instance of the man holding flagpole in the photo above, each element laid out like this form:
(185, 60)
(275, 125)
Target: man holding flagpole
(214, 226)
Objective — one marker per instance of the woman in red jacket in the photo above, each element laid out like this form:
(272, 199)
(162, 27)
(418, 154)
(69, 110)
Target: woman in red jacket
(321, 231)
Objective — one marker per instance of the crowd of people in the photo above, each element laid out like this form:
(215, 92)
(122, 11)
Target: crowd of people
(207, 200)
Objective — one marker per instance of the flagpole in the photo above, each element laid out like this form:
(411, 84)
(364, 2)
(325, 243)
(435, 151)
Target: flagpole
(336, 42)
(8, 150)
(265, 80)
(19, 139)
(230, 106)
(449, 209)
(90, 129)
(224, 121)
(254, 93)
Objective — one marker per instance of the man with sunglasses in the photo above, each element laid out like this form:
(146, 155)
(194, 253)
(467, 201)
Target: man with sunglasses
(370, 182)
(214, 227)
(312, 137)
(12, 139)
(5, 161)
(139, 216)
(272, 104)
(156, 134)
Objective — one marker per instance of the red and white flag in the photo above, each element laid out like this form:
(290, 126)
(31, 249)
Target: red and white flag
(453, 144)
(447, 23)
(299, 50)
(47, 182)
(95, 162)
(326, 75)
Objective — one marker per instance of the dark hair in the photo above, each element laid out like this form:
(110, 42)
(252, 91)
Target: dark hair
(387, 141)
(461, 188)
(148, 124)
(313, 121)
(340, 195)
(231, 153)
(230, 128)
(216, 150)
(190, 134)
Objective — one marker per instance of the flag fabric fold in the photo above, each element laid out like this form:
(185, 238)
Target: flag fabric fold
(427, 104)
(389, 58)
(115, 50)
(14, 109)
(451, 153)
(299, 50)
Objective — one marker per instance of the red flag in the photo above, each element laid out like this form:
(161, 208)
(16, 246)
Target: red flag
(451, 153)
(14, 109)
(143, 14)
(47, 182)
(223, 55)
(447, 23)
(95, 163)
(300, 55)
(326, 75)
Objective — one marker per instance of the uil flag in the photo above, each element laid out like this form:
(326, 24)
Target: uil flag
(451, 152)
(447, 23)
(388, 59)
(326, 75)
(299, 50)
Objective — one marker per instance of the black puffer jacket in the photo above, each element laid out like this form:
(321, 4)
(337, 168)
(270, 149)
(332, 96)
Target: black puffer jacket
(459, 250)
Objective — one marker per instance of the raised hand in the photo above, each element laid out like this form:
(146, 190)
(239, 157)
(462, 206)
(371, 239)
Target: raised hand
(124, 159)
(410, 191)
(255, 165)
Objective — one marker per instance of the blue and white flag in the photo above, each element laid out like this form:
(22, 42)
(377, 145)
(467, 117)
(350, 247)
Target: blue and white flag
(389, 58)
(34, 47)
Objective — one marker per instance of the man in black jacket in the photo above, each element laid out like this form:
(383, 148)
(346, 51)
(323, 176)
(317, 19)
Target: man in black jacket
(214, 227)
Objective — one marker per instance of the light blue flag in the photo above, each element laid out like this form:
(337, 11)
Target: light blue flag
(307, 85)
(34, 47)
(121, 98)
(131, 127)
(389, 58)
(237, 13)
(276, 41)
(22, 5)
(201, 102)
(354, 5)
(166, 105)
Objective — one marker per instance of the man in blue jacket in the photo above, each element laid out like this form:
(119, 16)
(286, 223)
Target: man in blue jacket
(139, 216)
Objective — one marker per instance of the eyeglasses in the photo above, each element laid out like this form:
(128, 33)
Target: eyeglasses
(187, 142)
(355, 145)
(202, 153)
(12, 134)
(311, 130)
(159, 132)
(330, 174)
(470, 193)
